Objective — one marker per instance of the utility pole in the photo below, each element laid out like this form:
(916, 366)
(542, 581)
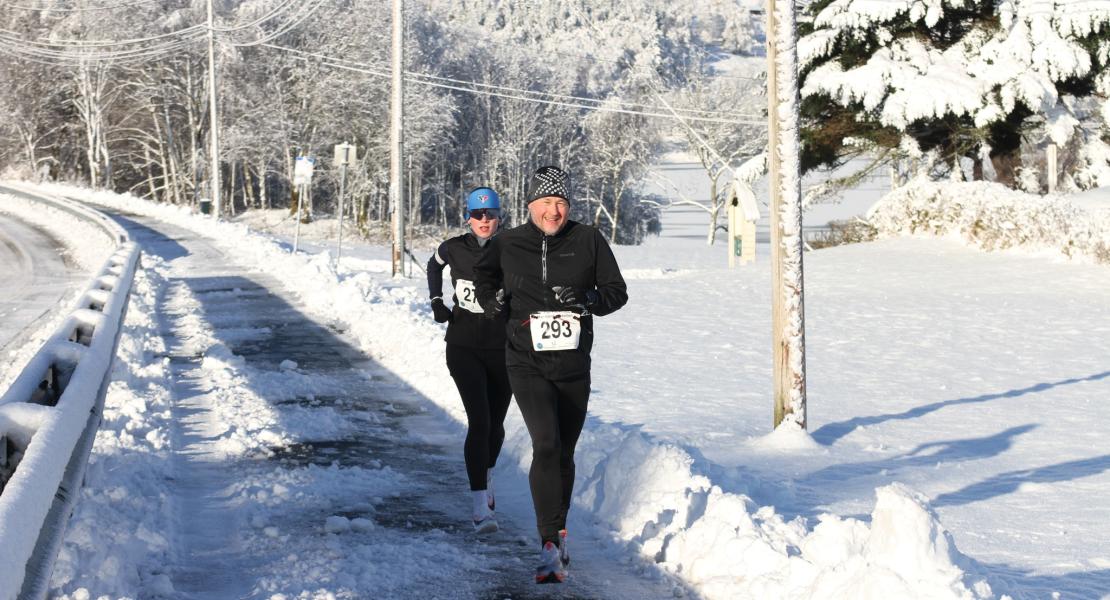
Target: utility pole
(214, 125)
(787, 312)
(396, 122)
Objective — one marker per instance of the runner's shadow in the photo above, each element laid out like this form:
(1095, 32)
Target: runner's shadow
(926, 455)
(829, 434)
(1005, 483)
(1024, 584)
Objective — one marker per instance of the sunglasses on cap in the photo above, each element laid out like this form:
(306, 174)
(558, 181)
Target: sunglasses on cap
(481, 214)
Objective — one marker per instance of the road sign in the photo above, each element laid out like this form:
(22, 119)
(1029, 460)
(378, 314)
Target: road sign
(345, 154)
(302, 170)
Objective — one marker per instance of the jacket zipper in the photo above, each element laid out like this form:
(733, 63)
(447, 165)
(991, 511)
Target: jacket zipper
(543, 260)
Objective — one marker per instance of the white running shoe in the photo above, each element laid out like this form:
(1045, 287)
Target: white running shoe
(551, 568)
(484, 520)
(486, 523)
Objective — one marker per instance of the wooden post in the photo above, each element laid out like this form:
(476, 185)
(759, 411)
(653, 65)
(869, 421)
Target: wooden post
(787, 314)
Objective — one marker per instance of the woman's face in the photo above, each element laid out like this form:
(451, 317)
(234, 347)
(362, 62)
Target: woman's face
(483, 222)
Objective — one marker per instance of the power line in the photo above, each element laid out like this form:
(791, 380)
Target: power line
(283, 7)
(594, 59)
(281, 30)
(47, 55)
(79, 10)
(71, 43)
(422, 78)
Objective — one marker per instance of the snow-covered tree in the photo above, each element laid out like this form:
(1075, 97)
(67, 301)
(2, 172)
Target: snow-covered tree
(731, 135)
(960, 77)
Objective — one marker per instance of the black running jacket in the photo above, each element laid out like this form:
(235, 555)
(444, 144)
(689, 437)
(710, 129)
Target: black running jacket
(469, 329)
(527, 263)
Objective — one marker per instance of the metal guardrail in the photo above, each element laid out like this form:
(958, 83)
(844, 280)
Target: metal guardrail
(50, 414)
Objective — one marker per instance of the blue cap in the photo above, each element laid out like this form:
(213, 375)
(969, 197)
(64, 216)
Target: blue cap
(482, 197)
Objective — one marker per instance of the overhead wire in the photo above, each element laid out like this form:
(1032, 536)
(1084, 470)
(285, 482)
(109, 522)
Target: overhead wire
(282, 30)
(70, 51)
(69, 43)
(683, 120)
(499, 91)
(283, 7)
(78, 10)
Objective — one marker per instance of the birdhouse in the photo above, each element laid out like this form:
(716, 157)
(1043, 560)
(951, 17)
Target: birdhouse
(743, 212)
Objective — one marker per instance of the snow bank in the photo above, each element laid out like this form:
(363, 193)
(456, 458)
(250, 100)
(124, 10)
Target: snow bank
(86, 243)
(116, 524)
(993, 217)
(646, 492)
(51, 437)
(725, 546)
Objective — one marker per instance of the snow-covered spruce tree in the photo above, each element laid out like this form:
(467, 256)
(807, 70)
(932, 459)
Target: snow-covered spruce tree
(960, 77)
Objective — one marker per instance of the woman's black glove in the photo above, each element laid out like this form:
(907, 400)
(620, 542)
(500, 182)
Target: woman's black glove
(440, 312)
(496, 307)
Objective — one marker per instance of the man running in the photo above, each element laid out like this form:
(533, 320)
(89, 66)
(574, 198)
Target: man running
(556, 274)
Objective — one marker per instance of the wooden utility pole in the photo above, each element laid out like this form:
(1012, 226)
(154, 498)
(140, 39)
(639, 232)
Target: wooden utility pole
(214, 126)
(396, 121)
(787, 312)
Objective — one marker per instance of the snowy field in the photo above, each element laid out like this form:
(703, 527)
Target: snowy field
(955, 418)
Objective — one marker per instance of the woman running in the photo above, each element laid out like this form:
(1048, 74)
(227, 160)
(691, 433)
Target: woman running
(475, 349)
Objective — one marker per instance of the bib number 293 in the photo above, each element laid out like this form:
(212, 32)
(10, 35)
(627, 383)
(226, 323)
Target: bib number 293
(555, 330)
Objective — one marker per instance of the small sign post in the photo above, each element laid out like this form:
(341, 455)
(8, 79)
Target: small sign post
(345, 154)
(302, 177)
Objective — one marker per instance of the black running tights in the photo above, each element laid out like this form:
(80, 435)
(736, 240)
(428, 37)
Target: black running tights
(554, 412)
(483, 386)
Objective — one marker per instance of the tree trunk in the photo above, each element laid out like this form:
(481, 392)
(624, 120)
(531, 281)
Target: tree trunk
(263, 197)
(248, 188)
(977, 168)
(715, 209)
(617, 192)
(1005, 167)
(231, 190)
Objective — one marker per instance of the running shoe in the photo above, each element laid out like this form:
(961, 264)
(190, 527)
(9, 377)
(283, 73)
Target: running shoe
(551, 568)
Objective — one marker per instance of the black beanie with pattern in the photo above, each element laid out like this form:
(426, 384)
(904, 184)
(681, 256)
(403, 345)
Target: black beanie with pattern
(549, 181)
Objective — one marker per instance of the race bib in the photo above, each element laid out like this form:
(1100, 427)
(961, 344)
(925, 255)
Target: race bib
(467, 296)
(555, 330)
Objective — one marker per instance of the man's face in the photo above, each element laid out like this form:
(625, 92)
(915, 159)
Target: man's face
(549, 213)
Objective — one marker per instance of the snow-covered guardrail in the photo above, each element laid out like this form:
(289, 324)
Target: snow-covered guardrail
(50, 414)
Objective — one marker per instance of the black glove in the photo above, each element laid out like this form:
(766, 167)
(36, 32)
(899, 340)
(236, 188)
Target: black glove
(496, 307)
(575, 298)
(440, 312)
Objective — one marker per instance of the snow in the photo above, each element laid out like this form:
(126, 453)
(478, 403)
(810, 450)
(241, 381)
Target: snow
(954, 448)
(983, 75)
(48, 435)
(44, 290)
(991, 216)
